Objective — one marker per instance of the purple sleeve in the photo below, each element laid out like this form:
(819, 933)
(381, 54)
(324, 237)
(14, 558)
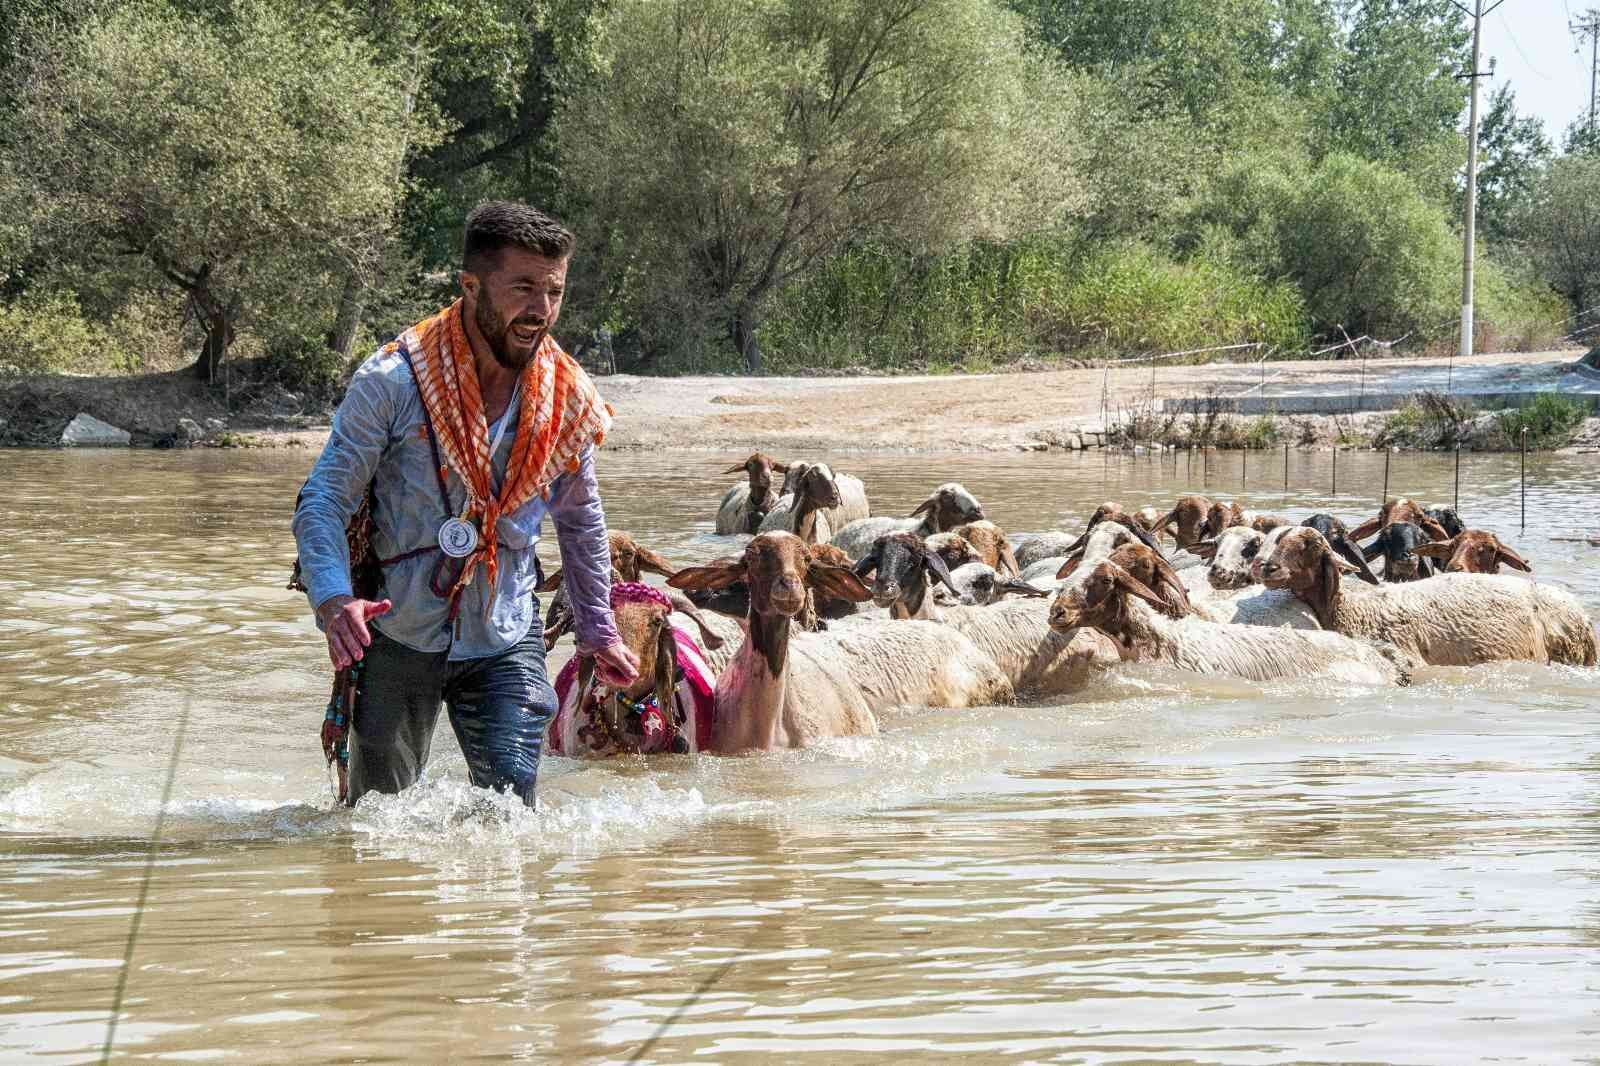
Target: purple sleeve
(585, 554)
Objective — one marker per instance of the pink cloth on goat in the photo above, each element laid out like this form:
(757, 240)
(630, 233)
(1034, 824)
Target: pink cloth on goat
(571, 733)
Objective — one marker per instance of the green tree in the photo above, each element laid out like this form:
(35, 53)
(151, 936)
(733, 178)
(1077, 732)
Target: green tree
(246, 155)
(1512, 150)
(1559, 226)
(1396, 94)
(734, 144)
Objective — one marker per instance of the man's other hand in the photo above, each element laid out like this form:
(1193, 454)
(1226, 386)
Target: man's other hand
(344, 621)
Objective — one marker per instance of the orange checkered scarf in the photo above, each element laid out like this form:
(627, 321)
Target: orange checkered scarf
(559, 414)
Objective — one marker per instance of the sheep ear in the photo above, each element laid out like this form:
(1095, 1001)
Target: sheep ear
(1134, 587)
(1077, 545)
(1439, 549)
(1009, 558)
(837, 582)
(649, 560)
(1145, 538)
(737, 468)
(924, 507)
(936, 566)
(552, 581)
(685, 606)
(1205, 549)
(1177, 595)
(1342, 566)
(780, 468)
(1432, 528)
(708, 578)
(1510, 558)
(1367, 528)
(1353, 555)
(1070, 565)
(867, 563)
(666, 668)
(1019, 587)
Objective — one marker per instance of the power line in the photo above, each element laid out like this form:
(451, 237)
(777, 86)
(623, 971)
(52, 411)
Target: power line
(1588, 26)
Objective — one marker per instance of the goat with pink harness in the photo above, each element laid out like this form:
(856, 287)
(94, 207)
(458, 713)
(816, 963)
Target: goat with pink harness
(585, 732)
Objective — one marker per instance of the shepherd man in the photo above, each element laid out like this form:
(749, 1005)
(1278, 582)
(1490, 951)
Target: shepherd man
(450, 447)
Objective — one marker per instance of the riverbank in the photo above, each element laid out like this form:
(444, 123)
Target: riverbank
(1040, 410)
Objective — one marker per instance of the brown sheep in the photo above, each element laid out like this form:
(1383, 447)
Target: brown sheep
(780, 692)
(1153, 572)
(993, 549)
(1189, 516)
(1475, 551)
(744, 506)
(1449, 620)
(1401, 509)
(1110, 511)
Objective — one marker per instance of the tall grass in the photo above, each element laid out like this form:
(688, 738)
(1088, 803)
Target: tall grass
(984, 304)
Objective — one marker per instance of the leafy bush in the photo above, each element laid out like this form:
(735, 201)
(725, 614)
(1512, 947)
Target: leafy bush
(305, 365)
(46, 333)
(1549, 418)
(1369, 251)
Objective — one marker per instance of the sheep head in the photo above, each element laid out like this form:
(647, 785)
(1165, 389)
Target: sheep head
(901, 564)
(954, 549)
(1400, 509)
(992, 546)
(1100, 602)
(1222, 515)
(631, 559)
(778, 569)
(1232, 557)
(759, 467)
(1475, 551)
(1155, 574)
(1338, 538)
(642, 625)
(1398, 543)
(1189, 516)
(1115, 512)
(949, 506)
(1304, 564)
(1096, 544)
(1448, 520)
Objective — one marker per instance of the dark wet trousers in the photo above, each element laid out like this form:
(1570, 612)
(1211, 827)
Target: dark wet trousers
(499, 706)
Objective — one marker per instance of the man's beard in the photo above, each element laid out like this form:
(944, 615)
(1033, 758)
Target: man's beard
(497, 334)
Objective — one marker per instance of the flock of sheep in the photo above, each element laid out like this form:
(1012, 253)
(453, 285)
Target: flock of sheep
(830, 615)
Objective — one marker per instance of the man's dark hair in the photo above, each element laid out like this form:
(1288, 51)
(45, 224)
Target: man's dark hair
(497, 224)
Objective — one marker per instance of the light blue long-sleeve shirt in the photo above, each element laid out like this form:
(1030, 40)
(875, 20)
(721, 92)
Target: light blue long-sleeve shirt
(379, 437)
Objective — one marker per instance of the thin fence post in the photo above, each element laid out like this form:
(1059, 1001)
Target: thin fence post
(1244, 467)
(1387, 452)
(1335, 491)
(1524, 479)
(1457, 504)
(1285, 468)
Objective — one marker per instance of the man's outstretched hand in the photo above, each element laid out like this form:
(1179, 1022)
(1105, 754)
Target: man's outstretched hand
(344, 622)
(617, 665)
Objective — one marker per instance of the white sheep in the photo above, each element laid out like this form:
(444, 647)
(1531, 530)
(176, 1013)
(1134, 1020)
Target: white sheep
(803, 508)
(1448, 620)
(1115, 603)
(782, 692)
(852, 494)
(1013, 634)
(1029, 548)
(948, 506)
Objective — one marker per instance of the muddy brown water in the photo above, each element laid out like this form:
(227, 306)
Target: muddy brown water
(1162, 867)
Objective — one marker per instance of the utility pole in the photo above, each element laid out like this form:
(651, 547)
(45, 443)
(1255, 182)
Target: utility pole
(1589, 26)
(1476, 14)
